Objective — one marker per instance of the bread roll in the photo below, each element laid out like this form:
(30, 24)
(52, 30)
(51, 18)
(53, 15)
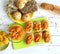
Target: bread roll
(17, 15)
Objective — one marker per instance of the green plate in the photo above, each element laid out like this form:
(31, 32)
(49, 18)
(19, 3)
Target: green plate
(21, 44)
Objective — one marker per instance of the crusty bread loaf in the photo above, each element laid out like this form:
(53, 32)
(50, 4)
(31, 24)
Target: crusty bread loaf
(51, 7)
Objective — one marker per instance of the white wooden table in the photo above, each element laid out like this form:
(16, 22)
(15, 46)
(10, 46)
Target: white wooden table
(54, 23)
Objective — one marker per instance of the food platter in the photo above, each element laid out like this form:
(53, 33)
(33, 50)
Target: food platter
(21, 10)
(22, 44)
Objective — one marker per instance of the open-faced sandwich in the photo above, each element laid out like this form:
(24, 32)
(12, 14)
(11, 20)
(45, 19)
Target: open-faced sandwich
(29, 38)
(29, 27)
(4, 40)
(44, 25)
(38, 37)
(16, 33)
(21, 10)
(46, 36)
(37, 26)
